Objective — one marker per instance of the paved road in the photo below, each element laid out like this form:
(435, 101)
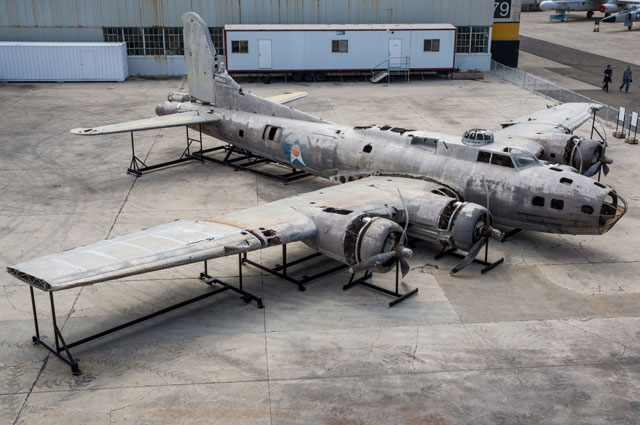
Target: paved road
(587, 67)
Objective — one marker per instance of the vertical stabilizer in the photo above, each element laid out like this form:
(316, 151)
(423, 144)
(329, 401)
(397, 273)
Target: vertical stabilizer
(200, 57)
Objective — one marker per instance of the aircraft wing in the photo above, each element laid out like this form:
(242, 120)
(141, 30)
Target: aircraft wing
(161, 247)
(174, 120)
(287, 97)
(560, 118)
(311, 217)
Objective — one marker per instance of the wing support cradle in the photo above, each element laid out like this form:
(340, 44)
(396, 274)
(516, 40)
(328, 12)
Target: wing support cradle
(61, 349)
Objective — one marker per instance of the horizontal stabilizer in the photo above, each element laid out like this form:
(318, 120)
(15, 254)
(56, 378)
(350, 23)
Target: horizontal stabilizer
(164, 121)
(287, 97)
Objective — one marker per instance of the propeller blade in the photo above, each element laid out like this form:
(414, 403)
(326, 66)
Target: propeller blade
(406, 218)
(593, 169)
(605, 168)
(372, 262)
(471, 255)
(404, 267)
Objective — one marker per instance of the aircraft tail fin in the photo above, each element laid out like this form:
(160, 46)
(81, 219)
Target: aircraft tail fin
(200, 57)
(209, 82)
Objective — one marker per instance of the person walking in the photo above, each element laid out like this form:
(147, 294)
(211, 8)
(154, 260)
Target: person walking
(626, 79)
(607, 78)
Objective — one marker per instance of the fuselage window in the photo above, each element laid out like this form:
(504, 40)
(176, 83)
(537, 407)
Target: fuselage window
(565, 180)
(241, 133)
(538, 201)
(366, 149)
(503, 160)
(270, 132)
(484, 156)
(557, 204)
(587, 209)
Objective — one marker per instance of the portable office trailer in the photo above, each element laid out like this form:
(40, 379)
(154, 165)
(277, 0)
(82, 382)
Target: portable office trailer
(339, 48)
(39, 61)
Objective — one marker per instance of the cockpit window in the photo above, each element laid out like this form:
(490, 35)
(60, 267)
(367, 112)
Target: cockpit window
(523, 160)
(503, 160)
(484, 156)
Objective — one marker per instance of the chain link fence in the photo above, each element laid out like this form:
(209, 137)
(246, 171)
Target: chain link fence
(553, 91)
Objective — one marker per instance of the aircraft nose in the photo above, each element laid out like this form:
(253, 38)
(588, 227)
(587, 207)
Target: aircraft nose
(612, 209)
(611, 18)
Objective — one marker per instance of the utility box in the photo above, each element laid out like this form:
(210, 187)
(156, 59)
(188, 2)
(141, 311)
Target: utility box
(39, 61)
(339, 48)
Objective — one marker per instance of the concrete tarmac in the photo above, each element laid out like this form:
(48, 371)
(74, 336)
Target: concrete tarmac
(582, 55)
(550, 337)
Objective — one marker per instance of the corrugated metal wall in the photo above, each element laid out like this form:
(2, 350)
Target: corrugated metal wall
(217, 13)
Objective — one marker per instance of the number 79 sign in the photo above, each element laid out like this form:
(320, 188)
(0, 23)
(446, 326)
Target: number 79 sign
(502, 9)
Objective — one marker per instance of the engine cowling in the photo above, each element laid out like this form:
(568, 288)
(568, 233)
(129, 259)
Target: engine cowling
(168, 107)
(352, 237)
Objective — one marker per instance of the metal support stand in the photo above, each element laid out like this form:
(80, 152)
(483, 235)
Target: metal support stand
(488, 266)
(510, 234)
(241, 159)
(61, 349)
(281, 270)
(138, 167)
(367, 275)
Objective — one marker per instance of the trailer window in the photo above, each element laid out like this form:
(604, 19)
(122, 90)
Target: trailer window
(432, 45)
(340, 46)
(240, 46)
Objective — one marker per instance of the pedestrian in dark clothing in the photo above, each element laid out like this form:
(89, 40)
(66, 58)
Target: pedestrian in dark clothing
(607, 78)
(626, 79)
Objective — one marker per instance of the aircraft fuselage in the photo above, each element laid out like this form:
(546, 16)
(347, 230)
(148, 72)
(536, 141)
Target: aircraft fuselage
(565, 202)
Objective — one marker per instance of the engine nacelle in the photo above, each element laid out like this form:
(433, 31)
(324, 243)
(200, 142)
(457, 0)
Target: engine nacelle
(168, 108)
(609, 8)
(352, 237)
(175, 96)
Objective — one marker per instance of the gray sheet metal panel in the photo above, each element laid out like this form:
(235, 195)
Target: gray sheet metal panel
(217, 13)
(51, 34)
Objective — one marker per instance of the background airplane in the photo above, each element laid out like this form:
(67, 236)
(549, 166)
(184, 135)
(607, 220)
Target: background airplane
(605, 6)
(628, 15)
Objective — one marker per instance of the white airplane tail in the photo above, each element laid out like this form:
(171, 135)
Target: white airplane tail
(209, 82)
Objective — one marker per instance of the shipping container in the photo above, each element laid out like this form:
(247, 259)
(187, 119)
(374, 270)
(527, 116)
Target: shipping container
(38, 61)
(339, 48)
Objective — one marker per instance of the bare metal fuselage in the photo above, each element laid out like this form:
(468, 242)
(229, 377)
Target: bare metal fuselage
(571, 203)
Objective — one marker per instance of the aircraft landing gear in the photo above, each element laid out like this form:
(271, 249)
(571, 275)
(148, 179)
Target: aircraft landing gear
(590, 14)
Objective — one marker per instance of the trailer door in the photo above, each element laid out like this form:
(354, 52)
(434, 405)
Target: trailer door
(395, 52)
(264, 54)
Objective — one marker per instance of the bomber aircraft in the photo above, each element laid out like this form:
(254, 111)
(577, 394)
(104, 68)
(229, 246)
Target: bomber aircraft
(628, 15)
(590, 6)
(396, 181)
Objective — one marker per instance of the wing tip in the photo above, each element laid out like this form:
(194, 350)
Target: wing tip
(84, 131)
(31, 280)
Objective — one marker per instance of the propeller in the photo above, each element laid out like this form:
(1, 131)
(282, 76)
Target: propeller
(400, 252)
(601, 163)
(485, 231)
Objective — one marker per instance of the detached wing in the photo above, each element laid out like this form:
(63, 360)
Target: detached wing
(164, 121)
(161, 247)
(298, 218)
(287, 97)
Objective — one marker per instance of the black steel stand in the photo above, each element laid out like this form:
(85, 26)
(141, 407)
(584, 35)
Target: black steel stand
(61, 349)
(138, 167)
(367, 275)
(280, 270)
(241, 159)
(488, 266)
(511, 233)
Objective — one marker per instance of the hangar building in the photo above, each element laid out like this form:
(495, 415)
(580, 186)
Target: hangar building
(152, 29)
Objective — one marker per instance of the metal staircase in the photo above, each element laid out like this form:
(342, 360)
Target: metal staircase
(391, 66)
